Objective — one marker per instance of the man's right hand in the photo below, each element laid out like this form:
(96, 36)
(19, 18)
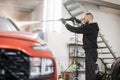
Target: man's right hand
(72, 19)
(63, 20)
(75, 19)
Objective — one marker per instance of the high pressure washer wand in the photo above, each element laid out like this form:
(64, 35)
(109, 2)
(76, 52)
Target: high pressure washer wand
(69, 19)
(21, 23)
(50, 20)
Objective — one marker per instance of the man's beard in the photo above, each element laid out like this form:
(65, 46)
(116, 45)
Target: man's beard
(87, 22)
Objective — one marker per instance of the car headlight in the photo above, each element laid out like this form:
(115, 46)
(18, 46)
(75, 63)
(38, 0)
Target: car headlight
(41, 67)
(47, 67)
(40, 47)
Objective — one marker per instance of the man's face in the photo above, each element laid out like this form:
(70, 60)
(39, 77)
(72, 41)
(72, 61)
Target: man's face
(86, 19)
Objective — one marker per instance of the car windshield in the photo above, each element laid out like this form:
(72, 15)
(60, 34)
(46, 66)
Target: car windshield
(7, 25)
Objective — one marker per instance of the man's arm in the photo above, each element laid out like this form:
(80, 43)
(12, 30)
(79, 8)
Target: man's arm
(80, 29)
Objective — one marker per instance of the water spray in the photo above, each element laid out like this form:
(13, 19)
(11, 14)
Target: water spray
(20, 23)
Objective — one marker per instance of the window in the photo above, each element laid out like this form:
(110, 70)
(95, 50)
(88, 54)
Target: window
(7, 25)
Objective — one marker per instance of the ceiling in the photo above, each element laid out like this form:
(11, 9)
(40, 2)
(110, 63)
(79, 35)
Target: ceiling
(18, 8)
(112, 6)
(113, 1)
(105, 3)
(21, 8)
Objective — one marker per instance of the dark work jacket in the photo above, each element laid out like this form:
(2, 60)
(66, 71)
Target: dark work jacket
(90, 33)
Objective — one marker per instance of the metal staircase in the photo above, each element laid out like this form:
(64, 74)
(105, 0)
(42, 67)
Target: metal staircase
(75, 9)
(108, 56)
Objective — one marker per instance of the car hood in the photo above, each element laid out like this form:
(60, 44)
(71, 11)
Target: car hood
(22, 36)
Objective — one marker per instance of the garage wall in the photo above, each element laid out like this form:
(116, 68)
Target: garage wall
(55, 35)
(118, 33)
(26, 27)
(35, 16)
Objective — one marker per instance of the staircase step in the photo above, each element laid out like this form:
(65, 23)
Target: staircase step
(106, 53)
(71, 8)
(101, 35)
(108, 63)
(101, 47)
(100, 41)
(108, 58)
(69, 2)
(78, 13)
(104, 56)
(74, 7)
(103, 53)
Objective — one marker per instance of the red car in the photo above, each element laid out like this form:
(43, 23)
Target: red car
(23, 56)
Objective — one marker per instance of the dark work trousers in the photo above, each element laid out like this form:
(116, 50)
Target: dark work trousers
(90, 61)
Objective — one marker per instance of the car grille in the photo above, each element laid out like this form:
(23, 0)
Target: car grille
(14, 65)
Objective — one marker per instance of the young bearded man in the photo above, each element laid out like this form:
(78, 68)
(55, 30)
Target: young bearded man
(89, 29)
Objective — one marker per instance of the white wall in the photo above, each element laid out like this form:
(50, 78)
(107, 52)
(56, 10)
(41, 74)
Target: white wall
(34, 16)
(118, 37)
(56, 37)
(37, 15)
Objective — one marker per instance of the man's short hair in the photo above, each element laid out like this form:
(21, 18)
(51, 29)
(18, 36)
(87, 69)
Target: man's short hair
(90, 14)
